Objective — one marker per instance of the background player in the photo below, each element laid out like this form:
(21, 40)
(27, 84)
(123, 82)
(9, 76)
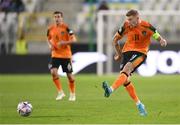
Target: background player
(133, 53)
(60, 37)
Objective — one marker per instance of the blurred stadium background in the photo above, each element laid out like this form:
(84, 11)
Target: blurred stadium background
(27, 21)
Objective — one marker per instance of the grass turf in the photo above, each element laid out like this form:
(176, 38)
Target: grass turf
(160, 94)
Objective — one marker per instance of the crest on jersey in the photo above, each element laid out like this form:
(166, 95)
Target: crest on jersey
(144, 33)
(62, 33)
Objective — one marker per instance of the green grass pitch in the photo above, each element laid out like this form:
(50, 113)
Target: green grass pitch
(160, 94)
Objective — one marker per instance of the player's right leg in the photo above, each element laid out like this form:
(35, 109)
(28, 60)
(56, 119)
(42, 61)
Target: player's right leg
(57, 83)
(53, 66)
(123, 77)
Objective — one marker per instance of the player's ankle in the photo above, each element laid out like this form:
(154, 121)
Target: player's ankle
(138, 102)
(60, 91)
(72, 93)
(112, 89)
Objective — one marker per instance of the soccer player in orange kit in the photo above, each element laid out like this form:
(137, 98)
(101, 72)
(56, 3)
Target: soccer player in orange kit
(133, 53)
(60, 38)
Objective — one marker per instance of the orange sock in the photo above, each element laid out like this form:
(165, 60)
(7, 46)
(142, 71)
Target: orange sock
(71, 86)
(58, 84)
(120, 80)
(131, 90)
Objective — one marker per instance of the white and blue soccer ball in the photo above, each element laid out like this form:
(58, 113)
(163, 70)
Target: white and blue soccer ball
(24, 108)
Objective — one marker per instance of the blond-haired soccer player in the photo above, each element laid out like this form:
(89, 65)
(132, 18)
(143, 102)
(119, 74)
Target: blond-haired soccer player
(60, 38)
(133, 53)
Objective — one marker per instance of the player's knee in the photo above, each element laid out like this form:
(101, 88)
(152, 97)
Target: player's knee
(54, 73)
(71, 78)
(127, 82)
(125, 71)
(128, 68)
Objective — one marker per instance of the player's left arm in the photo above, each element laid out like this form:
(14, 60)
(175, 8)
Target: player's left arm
(72, 38)
(158, 37)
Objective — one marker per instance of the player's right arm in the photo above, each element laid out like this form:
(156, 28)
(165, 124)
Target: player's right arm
(49, 41)
(119, 34)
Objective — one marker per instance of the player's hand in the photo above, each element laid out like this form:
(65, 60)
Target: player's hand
(117, 57)
(61, 43)
(51, 45)
(52, 48)
(163, 42)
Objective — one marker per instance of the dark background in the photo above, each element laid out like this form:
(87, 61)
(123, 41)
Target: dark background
(39, 63)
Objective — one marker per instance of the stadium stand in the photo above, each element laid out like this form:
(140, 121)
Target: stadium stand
(33, 16)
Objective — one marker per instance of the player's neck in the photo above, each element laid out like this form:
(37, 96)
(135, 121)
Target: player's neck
(58, 24)
(138, 22)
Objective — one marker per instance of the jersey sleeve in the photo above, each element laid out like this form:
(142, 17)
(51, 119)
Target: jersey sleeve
(70, 31)
(71, 34)
(122, 29)
(152, 28)
(155, 33)
(48, 33)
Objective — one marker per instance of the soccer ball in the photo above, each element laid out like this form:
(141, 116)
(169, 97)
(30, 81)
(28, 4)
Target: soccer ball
(24, 108)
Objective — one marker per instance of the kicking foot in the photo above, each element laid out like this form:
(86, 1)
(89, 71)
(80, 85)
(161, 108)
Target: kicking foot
(107, 89)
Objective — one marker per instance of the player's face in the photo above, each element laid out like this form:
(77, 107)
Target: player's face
(58, 18)
(133, 20)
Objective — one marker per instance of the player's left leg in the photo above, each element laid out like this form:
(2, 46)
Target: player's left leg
(132, 92)
(72, 96)
(128, 84)
(131, 89)
(67, 67)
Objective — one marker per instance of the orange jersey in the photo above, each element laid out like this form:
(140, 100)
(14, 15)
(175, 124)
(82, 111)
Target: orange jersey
(138, 38)
(59, 33)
